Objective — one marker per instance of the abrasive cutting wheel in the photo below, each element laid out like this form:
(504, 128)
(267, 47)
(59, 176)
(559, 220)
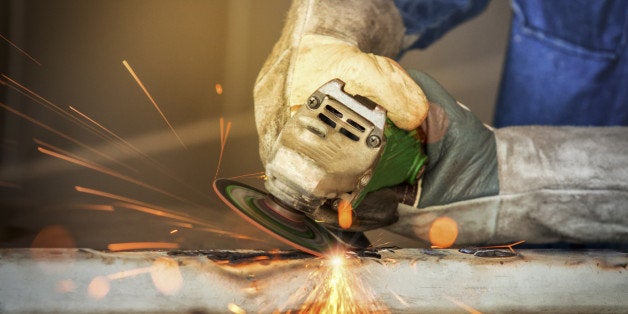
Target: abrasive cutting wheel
(288, 225)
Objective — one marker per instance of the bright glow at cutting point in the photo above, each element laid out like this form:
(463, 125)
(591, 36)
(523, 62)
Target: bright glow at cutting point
(339, 289)
(337, 260)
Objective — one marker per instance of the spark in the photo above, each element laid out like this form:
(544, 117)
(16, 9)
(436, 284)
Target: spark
(122, 140)
(60, 134)
(148, 208)
(115, 136)
(229, 234)
(154, 212)
(107, 131)
(27, 92)
(224, 133)
(63, 155)
(258, 175)
(160, 167)
(30, 94)
(235, 309)
(399, 298)
(462, 305)
(98, 207)
(173, 231)
(504, 246)
(183, 224)
(218, 89)
(161, 212)
(126, 246)
(22, 51)
(129, 273)
(152, 100)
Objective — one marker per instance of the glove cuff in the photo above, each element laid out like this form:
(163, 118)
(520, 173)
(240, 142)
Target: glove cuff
(557, 184)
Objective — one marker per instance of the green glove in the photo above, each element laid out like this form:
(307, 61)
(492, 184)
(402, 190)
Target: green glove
(462, 162)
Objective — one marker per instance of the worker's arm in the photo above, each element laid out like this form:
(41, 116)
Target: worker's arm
(538, 184)
(325, 39)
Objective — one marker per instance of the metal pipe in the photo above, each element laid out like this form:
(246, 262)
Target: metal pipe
(405, 280)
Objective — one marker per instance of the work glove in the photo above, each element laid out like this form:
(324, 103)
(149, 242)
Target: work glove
(537, 184)
(326, 39)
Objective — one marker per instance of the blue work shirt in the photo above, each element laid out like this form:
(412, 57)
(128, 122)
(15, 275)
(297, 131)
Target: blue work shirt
(566, 62)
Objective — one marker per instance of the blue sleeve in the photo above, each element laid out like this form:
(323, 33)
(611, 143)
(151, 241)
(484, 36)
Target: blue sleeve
(429, 20)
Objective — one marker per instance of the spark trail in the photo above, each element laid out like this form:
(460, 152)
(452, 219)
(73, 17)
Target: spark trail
(22, 51)
(224, 133)
(126, 246)
(152, 100)
(62, 135)
(75, 160)
(127, 145)
(129, 203)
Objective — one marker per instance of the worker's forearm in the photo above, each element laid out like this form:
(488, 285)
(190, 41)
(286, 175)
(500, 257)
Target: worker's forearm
(556, 184)
(572, 181)
(562, 158)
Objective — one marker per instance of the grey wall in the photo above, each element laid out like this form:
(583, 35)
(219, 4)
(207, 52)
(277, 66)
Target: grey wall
(180, 50)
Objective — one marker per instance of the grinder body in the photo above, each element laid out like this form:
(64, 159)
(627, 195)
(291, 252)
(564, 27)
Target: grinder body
(339, 147)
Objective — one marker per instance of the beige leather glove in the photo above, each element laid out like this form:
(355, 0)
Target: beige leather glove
(324, 39)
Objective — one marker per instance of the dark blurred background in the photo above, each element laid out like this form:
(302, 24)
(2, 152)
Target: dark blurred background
(63, 83)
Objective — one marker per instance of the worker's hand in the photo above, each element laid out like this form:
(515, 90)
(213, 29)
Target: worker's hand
(321, 42)
(462, 161)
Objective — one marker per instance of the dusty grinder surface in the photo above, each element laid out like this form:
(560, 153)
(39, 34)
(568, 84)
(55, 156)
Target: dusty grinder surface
(287, 225)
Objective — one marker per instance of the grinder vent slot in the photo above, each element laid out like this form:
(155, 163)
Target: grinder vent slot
(334, 111)
(356, 125)
(348, 134)
(327, 120)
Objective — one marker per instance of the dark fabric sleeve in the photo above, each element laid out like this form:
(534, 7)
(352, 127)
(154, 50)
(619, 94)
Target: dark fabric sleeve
(431, 19)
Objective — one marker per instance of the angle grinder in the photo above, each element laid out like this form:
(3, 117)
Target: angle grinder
(334, 150)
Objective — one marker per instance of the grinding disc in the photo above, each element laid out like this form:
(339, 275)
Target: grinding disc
(285, 224)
